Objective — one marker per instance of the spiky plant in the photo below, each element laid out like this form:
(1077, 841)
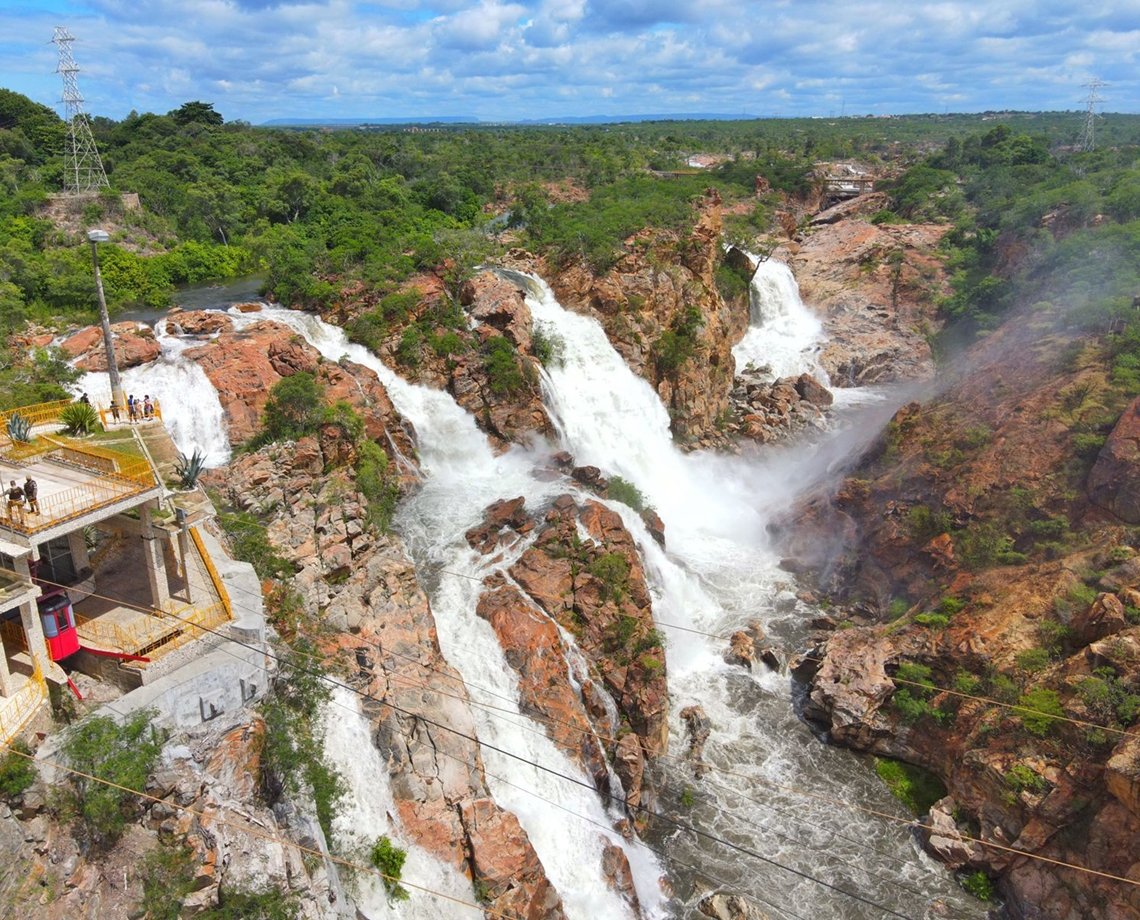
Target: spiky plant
(19, 428)
(80, 418)
(190, 468)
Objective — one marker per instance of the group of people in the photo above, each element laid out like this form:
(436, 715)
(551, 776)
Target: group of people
(137, 409)
(29, 492)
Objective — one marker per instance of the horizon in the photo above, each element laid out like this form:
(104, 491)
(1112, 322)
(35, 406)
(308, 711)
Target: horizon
(545, 61)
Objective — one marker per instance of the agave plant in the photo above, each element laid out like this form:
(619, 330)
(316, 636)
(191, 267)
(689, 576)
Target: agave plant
(79, 418)
(190, 468)
(19, 428)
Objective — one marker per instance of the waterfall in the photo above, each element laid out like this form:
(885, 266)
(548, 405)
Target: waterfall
(777, 795)
(191, 410)
(783, 335)
(367, 813)
(567, 824)
(718, 574)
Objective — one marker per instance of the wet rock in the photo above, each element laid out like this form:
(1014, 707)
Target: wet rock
(504, 864)
(629, 764)
(499, 303)
(133, 344)
(619, 876)
(722, 906)
(589, 476)
(813, 391)
(654, 525)
(200, 322)
(697, 728)
(943, 838)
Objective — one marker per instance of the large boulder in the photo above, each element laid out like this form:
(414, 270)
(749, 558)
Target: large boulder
(1114, 481)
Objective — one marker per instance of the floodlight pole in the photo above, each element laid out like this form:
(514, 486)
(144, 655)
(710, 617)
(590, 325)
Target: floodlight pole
(117, 399)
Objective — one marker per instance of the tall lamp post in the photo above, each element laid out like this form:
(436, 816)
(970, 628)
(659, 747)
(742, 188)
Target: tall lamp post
(117, 399)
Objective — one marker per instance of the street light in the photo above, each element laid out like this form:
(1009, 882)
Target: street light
(117, 399)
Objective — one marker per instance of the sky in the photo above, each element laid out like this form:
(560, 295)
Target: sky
(258, 60)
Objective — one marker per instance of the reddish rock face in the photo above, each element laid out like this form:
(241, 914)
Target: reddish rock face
(1114, 481)
(637, 302)
(200, 322)
(875, 287)
(133, 345)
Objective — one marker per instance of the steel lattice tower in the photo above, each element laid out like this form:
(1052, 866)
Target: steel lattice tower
(84, 169)
(1087, 140)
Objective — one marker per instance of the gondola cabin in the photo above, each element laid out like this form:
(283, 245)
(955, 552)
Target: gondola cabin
(58, 620)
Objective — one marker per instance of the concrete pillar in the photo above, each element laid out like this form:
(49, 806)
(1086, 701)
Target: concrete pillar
(154, 561)
(78, 546)
(5, 674)
(34, 631)
(184, 554)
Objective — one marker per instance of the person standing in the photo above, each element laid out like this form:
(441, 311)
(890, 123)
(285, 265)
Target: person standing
(31, 493)
(15, 502)
(148, 407)
(132, 408)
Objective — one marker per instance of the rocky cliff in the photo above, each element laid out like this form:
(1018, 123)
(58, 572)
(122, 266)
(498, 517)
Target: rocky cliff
(1009, 664)
(662, 309)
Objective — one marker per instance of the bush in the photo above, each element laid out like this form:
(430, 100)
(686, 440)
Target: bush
(937, 620)
(17, 770)
(1020, 778)
(389, 860)
(79, 418)
(979, 885)
(250, 543)
(624, 491)
(504, 375)
(549, 348)
(612, 570)
(295, 408)
(380, 488)
(916, 788)
(1039, 709)
(1033, 660)
(123, 755)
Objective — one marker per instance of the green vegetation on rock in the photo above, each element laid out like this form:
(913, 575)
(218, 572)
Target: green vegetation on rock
(916, 788)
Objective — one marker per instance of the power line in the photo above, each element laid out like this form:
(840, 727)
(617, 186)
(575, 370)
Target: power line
(255, 832)
(675, 822)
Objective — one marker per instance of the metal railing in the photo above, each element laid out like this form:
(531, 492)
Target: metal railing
(147, 634)
(107, 417)
(21, 706)
(12, 633)
(219, 586)
(37, 414)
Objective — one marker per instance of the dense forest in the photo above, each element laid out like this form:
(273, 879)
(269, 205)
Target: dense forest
(311, 211)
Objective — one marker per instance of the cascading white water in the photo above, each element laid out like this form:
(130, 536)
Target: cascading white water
(783, 334)
(190, 406)
(566, 823)
(363, 817)
(718, 574)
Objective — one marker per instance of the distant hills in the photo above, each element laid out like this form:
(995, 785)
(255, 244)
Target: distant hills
(470, 120)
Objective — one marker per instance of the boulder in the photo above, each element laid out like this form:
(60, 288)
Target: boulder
(723, 906)
(1104, 617)
(133, 343)
(1114, 480)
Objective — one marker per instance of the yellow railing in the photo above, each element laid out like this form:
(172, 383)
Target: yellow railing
(37, 414)
(219, 586)
(107, 417)
(12, 632)
(68, 504)
(102, 460)
(16, 711)
(152, 634)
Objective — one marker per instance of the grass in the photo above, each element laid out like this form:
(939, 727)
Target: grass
(916, 788)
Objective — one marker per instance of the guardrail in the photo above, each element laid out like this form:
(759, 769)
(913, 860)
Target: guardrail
(21, 706)
(108, 418)
(37, 414)
(219, 585)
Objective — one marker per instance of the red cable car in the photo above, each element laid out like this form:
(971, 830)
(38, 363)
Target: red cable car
(58, 620)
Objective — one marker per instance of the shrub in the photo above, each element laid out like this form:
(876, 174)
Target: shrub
(677, 343)
(1033, 660)
(17, 769)
(965, 682)
(1039, 709)
(79, 418)
(612, 570)
(408, 351)
(389, 860)
(916, 788)
(937, 620)
(250, 543)
(295, 408)
(123, 755)
(980, 885)
(549, 348)
(624, 491)
(1020, 778)
(504, 376)
(377, 484)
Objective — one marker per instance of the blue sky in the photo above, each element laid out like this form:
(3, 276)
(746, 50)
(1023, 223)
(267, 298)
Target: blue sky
(263, 59)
